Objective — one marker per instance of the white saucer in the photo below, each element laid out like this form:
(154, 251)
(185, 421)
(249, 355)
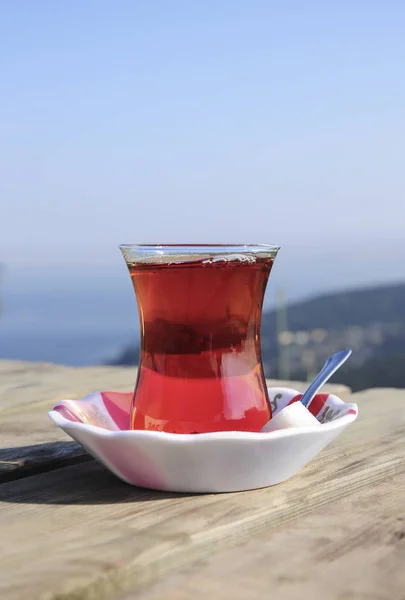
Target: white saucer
(225, 461)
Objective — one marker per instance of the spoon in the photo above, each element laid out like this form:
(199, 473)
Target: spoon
(331, 365)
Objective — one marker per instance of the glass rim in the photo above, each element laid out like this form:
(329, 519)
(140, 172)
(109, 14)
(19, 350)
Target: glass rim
(197, 247)
(184, 252)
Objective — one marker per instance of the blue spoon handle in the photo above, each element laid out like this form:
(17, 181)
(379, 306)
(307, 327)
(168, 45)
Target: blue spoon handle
(331, 366)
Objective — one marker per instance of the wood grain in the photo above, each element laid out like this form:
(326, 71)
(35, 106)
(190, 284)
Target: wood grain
(101, 539)
(354, 548)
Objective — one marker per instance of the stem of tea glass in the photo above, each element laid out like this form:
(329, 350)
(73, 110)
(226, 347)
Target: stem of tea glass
(330, 367)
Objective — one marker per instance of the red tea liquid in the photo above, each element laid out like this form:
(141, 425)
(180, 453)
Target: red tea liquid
(200, 366)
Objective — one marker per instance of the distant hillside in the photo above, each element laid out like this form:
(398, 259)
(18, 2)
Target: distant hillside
(381, 371)
(382, 304)
(370, 321)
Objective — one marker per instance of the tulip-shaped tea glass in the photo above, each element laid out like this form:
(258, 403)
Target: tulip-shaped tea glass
(200, 310)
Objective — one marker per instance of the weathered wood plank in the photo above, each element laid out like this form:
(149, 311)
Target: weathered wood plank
(30, 460)
(29, 442)
(352, 549)
(29, 390)
(101, 538)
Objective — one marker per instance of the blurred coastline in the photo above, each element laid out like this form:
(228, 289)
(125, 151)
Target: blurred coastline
(75, 349)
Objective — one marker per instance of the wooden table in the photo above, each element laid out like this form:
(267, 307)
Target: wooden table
(71, 530)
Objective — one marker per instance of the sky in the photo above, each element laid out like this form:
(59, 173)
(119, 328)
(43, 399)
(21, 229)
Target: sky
(160, 121)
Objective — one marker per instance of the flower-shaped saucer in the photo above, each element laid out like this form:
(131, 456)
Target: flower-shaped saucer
(224, 461)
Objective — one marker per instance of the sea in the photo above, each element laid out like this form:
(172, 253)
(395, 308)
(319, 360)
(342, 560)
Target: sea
(72, 325)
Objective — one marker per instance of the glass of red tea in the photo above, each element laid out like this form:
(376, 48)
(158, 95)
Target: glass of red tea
(200, 310)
